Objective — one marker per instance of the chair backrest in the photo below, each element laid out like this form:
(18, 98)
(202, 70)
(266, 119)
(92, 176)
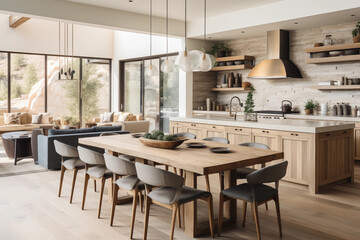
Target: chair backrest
(157, 177)
(255, 145)
(217, 139)
(185, 134)
(272, 173)
(119, 165)
(108, 134)
(65, 150)
(90, 157)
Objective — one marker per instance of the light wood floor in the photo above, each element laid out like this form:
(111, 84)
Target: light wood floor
(30, 209)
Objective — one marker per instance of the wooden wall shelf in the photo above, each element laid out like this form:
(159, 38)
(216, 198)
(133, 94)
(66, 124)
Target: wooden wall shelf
(333, 48)
(248, 63)
(347, 58)
(230, 89)
(342, 87)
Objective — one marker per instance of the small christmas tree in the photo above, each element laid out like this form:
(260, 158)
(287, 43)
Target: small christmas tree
(249, 104)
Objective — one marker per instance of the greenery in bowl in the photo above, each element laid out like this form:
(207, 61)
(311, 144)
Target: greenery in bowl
(356, 30)
(159, 135)
(310, 104)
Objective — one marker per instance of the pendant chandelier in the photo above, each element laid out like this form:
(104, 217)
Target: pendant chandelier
(152, 70)
(167, 66)
(66, 69)
(207, 61)
(188, 61)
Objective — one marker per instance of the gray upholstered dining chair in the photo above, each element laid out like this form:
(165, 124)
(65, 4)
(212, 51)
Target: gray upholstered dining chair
(125, 178)
(95, 169)
(130, 158)
(185, 134)
(256, 192)
(69, 161)
(170, 193)
(218, 140)
(34, 143)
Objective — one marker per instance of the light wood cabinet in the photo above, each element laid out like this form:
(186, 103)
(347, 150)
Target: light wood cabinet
(298, 151)
(176, 127)
(269, 137)
(238, 135)
(213, 131)
(357, 141)
(194, 128)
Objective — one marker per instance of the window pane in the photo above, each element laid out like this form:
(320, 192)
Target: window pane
(152, 97)
(63, 96)
(132, 85)
(27, 83)
(3, 83)
(95, 86)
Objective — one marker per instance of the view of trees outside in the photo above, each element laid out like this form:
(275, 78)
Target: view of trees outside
(132, 85)
(27, 82)
(152, 97)
(3, 83)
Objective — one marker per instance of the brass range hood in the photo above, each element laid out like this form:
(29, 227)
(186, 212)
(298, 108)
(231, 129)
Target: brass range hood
(278, 65)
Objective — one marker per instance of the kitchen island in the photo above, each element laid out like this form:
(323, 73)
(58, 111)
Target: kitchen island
(319, 152)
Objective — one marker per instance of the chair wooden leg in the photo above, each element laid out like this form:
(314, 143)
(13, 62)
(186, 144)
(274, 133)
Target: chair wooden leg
(141, 202)
(173, 219)
(133, 213)
(101, 195)
(73, 184)
(221, 209)
(221, 180)
(94, 185)
(266, 206)
(146, 219)
(207, 183)
(179, 216)
(61, 179)
(244, 213)
(174, 169)
(85, 188)
(166, 167)
(254, 207)
(211, 215)
(113, 205)
(277, 204)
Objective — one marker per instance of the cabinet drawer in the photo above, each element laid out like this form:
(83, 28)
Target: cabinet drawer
(335, 133)
(213, 127)
(192, 125)
(295, 135)
(237, 130)
(264, 131)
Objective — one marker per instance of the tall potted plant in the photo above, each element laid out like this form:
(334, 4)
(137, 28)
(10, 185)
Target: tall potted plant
(249, 105)
(310, 105)
(356, 33)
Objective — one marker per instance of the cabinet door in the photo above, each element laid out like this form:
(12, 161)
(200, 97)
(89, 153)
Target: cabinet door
(357, 141)
(194, 128)
(298, 152)
(175, 127)
(269, 137)
(213, 131)
(238, 135)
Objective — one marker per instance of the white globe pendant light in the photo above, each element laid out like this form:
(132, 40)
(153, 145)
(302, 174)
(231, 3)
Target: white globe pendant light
(207, 61)
(151, 70)
(167, 66)
(188, 61)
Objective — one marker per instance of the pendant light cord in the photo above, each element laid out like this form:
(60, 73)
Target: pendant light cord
(204, 25)
(167, 28)
(150, 27)
(185, 26)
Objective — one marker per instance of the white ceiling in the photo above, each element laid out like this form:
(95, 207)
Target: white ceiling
(176, 7)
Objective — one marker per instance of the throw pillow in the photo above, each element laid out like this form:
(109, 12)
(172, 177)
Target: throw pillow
(124, 117)
(108, 117)
(13, 118)
(45, 118)
(116, 116)
(36, 119)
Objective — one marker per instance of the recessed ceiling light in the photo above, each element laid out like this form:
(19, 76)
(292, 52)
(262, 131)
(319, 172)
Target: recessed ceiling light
(352, 15)
(130, 0)
(209, 37)
(296, 23)
(242, 31)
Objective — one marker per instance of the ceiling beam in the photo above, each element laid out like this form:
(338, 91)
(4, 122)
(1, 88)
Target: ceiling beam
(15, 21)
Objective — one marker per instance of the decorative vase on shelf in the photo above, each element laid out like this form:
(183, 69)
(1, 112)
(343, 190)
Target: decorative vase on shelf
(231, 80)
(309, 111)
(356, 39)
(237, 80)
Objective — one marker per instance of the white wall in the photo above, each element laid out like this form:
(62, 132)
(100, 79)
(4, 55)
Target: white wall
(42, 36)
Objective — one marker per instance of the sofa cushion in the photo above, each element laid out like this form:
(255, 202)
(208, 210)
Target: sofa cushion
(45, 119)
(36, 119)
(12, 118)
(107, 128)
(69, 131)
(124, 117)
(107, 117)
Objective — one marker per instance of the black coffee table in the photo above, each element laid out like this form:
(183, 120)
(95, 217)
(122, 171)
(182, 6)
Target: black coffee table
(17, 145)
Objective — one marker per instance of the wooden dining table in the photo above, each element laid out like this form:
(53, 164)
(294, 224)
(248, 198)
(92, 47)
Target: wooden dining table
(194, 161)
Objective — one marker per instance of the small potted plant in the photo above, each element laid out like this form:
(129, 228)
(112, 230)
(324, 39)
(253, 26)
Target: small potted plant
(249, 106)
(356, 33)
(221, 49)
(310, 106)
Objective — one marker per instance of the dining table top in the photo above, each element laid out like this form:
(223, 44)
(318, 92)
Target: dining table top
(197, 160)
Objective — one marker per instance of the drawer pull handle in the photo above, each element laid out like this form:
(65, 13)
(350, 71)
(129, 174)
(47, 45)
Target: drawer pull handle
(345, 132)
(214, 126)
(238, 129)
(294, 134)
(265, 131)
(328, 134)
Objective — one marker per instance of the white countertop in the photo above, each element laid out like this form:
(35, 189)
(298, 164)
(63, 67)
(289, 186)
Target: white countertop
(282, 125)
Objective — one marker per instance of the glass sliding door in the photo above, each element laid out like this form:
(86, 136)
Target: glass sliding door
(152, 96)
(27, 83)
(169, 100)
(3, 83)
(133, 74)
(95, 88)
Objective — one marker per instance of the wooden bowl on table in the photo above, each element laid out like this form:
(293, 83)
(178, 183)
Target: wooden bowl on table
(162, 144)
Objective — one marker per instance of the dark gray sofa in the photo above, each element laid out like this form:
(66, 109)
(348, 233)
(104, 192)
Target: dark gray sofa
(49, 159)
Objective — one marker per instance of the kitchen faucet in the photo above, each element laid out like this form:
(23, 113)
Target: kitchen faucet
(240, 104)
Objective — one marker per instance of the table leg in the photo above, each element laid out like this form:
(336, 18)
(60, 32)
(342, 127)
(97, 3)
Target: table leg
(190, 215)
(230, 206)
(15, 152)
